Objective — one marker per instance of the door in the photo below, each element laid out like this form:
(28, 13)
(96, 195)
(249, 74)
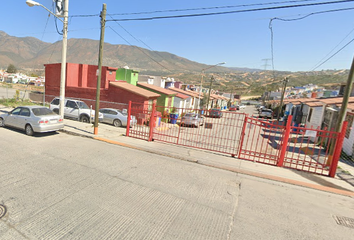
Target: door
(23, 118)
(71, 109)
(11, 119)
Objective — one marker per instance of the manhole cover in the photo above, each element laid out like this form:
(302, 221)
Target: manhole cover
(345, 221)
(2, 210)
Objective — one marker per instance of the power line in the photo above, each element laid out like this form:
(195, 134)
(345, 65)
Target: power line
(303, 17)
(209, 8)
(230, 12)
(139, 50)
(333, 49)
(334, 54)
(138, 40)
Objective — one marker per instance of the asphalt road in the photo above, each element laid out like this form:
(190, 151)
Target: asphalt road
(59, 186)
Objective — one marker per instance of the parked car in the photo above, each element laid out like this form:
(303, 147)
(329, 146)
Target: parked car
(265, 113)
(75, 109)
(215, 113)
(233, 108)
(241, 106)
(116, 117)
(32, 119)
(192, 119)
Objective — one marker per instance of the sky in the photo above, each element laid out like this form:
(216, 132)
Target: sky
(241, 39)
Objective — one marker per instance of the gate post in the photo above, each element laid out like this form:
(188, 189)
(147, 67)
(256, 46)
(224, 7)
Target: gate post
(285, 142)
(337, 150)
(152, 122)
(129, 117)
(242, 135)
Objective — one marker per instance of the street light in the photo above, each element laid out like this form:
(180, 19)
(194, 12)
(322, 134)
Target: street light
(63, 55)
(201, 82)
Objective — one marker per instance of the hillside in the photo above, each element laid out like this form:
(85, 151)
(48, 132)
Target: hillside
(30, 54)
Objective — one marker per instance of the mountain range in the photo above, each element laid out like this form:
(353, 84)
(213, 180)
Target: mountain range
(29, 52)
(30, 55)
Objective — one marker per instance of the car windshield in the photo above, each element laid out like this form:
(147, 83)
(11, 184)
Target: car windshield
(82, 105)
(42, 111)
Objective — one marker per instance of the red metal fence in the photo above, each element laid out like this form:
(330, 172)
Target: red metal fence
(236, 134)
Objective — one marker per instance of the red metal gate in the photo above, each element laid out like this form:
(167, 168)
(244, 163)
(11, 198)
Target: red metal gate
(213, 130)
(261, 141)
(301, 148)
(236, 134)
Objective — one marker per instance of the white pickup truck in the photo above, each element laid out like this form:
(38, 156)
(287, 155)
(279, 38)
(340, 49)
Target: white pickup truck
(75, 109)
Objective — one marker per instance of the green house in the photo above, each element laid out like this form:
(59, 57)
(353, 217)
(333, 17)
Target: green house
(128, 75)
(165, 101)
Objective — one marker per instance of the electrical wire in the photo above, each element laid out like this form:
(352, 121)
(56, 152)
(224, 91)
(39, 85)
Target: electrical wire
(230, 12)
(333, 54)
(139, 49)
(138, 40)
(322, 61)
(333, 49)
(209, 8)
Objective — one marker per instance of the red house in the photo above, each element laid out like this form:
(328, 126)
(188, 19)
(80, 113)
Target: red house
(81, 82)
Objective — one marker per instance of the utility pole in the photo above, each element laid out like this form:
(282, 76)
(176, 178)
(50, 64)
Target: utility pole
(63, 60)
(211, 82)
(100, 53)
(285, 82)
(348, 90)
(343, 108)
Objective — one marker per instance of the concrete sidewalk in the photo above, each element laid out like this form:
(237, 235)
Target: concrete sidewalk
(113, 135)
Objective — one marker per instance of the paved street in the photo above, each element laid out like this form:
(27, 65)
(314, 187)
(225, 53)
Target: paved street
(59, 186)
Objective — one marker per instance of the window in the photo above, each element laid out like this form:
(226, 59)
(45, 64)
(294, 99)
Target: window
(25, 112)
(42, 111)
(82, 105)
(310, 114)
(16, 111)
(112, 112)
(71, 104)
(55, 101)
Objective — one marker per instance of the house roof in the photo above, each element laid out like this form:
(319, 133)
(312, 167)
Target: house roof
(188, 93)
(314, 104)
(157, 89)
(337, 100)
(180, 95)
(134, 89)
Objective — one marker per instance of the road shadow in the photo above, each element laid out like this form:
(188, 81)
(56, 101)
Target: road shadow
(35, 135)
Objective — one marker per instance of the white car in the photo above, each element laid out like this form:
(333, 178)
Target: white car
(265, 113)
(242, 107)
(32, 119)
(75, 109)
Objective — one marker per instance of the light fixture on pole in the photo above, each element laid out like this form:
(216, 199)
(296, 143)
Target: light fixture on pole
(201, 82)
(63, 56)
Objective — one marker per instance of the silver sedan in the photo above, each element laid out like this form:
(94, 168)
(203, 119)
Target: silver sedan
(116, 117)
(32, 119)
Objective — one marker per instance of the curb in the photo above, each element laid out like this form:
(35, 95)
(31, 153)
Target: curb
(236, 170)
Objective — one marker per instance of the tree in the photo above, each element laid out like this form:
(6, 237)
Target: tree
(11, 69)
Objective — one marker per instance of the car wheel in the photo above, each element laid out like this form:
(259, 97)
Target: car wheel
(56, 111)
(2, 122)
(85, 119)
(29, 130)
(117, 123)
